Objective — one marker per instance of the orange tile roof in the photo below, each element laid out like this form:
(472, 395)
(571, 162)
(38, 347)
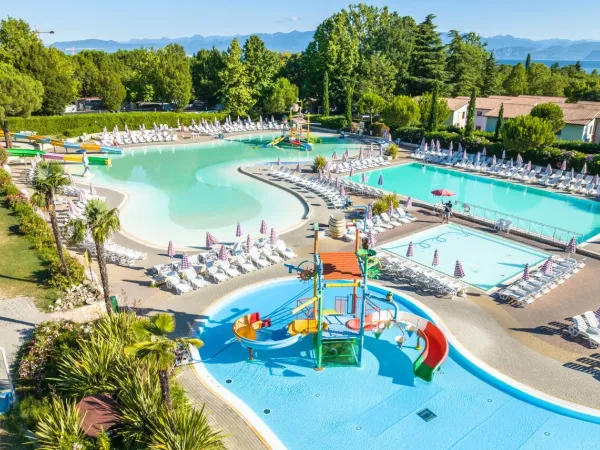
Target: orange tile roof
(511, 110)
(580, 113)
(456, 103)
(340, 266)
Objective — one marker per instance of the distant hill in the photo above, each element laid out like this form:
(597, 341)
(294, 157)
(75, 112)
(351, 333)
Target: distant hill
(505, 46)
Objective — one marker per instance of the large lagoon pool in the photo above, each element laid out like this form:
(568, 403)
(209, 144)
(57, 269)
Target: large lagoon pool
(568, 212)
(179, 192)
(376, 406)
(487, 260)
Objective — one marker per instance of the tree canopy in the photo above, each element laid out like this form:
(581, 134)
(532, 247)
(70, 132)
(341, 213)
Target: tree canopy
(370, 103)
(283, 95)
(526, 133)
(401, 112)
(551, 113)
(443, 110)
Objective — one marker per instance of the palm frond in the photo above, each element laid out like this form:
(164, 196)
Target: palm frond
(61, 427)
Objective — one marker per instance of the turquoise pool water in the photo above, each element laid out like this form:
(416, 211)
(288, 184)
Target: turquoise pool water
(375, 407)
(179, 192)
(563, 211)
(487, 260)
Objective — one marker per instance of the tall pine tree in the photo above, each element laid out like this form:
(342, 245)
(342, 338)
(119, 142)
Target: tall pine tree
(528, 61)
(491, 80)
(470, 125)
(427, 68)
(236, 92)
(499, 122)
(432, 119)
(261, 67)
(326, 94)
(348, 102)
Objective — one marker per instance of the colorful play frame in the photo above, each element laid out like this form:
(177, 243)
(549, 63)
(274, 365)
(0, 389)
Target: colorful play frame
(338, 333)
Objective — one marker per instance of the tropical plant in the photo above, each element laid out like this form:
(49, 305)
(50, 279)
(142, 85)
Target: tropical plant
(381, 205)
(101, 222)
(48, 178)
(319, 163)
(184, 429)
(61, 428)
(392, 151)
(157, 349)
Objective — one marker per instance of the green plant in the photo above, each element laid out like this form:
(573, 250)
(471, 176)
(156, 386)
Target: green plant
(551, 113)
(379, 128)
(61, 428)
(157, 349)
(27, 412)
(381, 205)
(3, 156)
(329, 122)
(392, 150)
(526, 132)
(319, 163)
(103, 441)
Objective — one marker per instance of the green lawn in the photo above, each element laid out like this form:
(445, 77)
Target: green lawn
(21, 273)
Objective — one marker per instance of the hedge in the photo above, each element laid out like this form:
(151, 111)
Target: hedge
(39, 233)
(330, 122)
(77, 124)
(554, 156)
(580, 146)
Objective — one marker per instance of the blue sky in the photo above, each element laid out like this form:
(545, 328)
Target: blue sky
(125, 19)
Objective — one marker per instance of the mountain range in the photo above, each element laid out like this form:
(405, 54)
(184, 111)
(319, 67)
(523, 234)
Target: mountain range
(505, 46)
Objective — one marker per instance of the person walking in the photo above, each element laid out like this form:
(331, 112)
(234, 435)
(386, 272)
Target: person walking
(86, 163)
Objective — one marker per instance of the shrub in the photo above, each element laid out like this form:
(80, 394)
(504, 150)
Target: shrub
(392, 150)
(330, 122)
(527, 132)
(61, 428)
(413, 135)
(551, 113)
(319, 163)
(381, 205)
(378, 128)
(580, 146)
(3, 156)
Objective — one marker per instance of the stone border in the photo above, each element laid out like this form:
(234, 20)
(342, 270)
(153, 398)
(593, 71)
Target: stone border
(507, 385)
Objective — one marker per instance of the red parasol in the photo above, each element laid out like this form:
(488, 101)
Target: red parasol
(443, 193)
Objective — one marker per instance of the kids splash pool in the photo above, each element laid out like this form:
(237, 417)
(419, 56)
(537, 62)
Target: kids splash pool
(381, 405)
(179, 192)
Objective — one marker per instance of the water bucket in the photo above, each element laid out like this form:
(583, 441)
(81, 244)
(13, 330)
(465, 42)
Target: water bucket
(399, 341)
(337, 225)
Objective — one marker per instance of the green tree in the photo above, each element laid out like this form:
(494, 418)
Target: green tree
(528, 61)
(20, 95)
(427, 68)
(401, 112)
(499, 123)
(551, 113)
(466, 62)
(538, 77)
(348, 104)
(425, 105)
(377, 74)
(326, 94)
(138, 73)
(173, 76)
(101, 222)
(527, 133)
(491, 81)
(112, 91)
(261, 67)
(48, 179)
(236, 92)
(516, 82)
(470, 124)
(205, 67)
(156, 349)
(370, 103)
(283, 95)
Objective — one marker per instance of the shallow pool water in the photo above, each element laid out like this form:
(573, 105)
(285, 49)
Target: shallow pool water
(376, 406)
(568, 212)
(179, 192)
(487, 260)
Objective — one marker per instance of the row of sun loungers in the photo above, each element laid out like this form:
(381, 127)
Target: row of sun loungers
(586, 326)
(423, 279)
(359, 164)
(362, 189)
(323, 187)
(207, 268)
(115, 253)
(525, 292)
(379, 224)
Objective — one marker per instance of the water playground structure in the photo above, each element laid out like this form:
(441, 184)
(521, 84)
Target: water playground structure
(297, 136)
(338, 333)
(94, 160)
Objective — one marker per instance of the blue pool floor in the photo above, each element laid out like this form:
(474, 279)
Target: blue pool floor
(374, 406)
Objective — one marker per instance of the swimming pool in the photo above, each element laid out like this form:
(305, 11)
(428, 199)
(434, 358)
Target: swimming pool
(563, 211)
(179, 192)
(487, 260)
(376, 406)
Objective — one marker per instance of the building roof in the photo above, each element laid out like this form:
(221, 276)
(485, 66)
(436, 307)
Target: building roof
(341, 266)
(544, 99)
(455, 103)
(511, 110)
(580, 113)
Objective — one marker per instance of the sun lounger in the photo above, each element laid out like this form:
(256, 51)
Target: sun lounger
(174, 282)
(192, 277)
(580, 328)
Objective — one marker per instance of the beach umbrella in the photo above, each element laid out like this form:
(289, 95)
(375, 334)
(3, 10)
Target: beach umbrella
(390, 210)
(298, 167)
(451, 146)
(223, 256)
(408, 202)
(548, 169)
(381, 150)
(363, 177)
(436, 259)
(526, 273)
(210, 240)
(458, 270)
(437, 145)
(273, 237)
(519, 159)
(81, 196)
(494, 160)
(170, 250)
(571, 246)
(425, 147)
(443, 193)
(344, 157)
(320, 175)
(70, 178)
(432, 144)
(327, 166)
(380, 182)
(529, 166)
(484, 152)
(465, 155)
(478, 158)
(337, 182)
(547, 267)
(238, 230)
(329, 176)
(263, 227)
(92, 192)
(335, 155)
(572, 173)
(451, 152)
(371, 239)
(249, 242)
(411, 250)
(595, 180)
(563, 166)
(460, 149)
(584, 170)
(503, 154)
(278, 162)
(423, 143)
(185, 262)
(351, 171)
(510, 163)
(342, 190)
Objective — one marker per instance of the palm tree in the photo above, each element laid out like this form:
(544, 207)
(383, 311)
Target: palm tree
(101, 222)
(47, 179)
(157, 349)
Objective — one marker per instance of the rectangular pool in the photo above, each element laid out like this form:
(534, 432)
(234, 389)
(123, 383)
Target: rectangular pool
(487, 260)
(568, 212)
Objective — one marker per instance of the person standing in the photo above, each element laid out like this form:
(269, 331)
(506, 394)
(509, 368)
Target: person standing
(86, 163)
